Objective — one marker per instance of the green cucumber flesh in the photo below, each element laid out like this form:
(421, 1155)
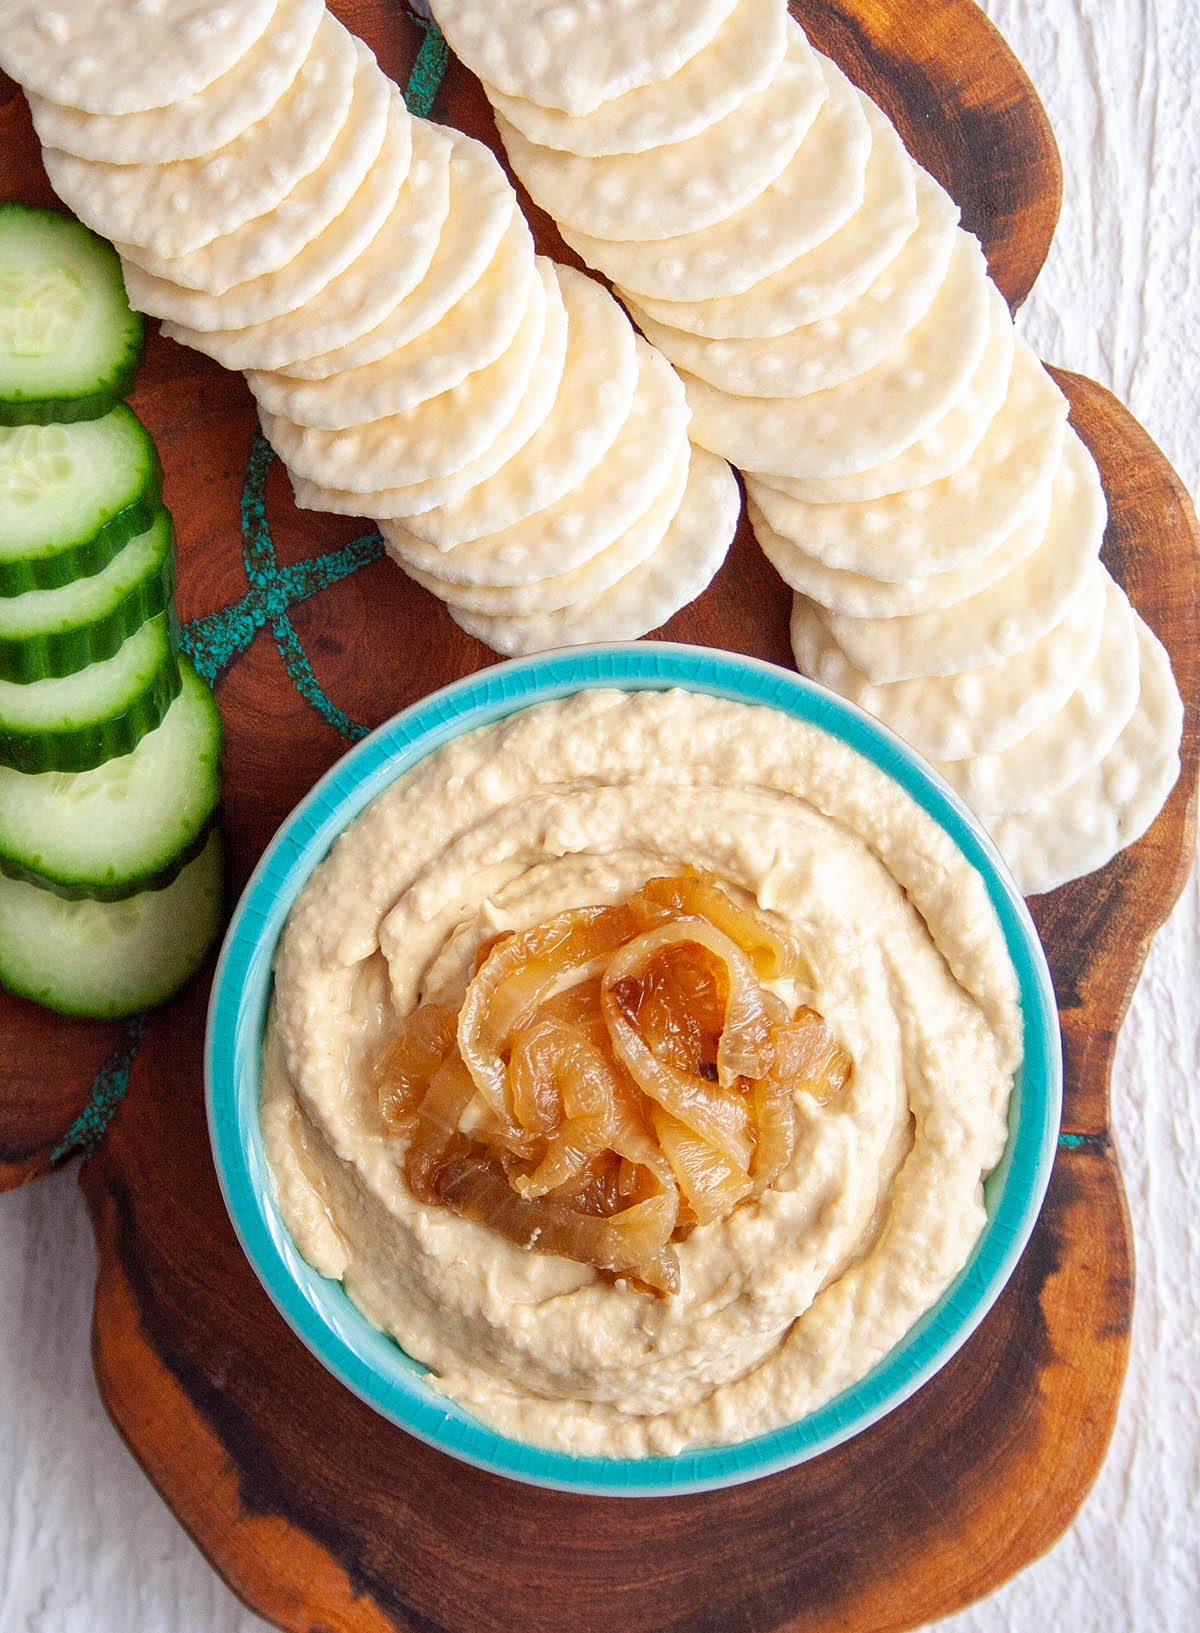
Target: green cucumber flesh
(71, 496)
(45, 633)
(69, 342)
(75, 722)
(108, 959)
(127, 825)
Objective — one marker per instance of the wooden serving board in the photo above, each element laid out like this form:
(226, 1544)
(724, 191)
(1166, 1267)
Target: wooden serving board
(317, 1512)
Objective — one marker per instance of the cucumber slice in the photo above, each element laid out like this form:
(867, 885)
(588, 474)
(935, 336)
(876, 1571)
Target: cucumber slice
(45, 633)
(70, 344)
(128, 825)
(71, 496)
(75, 722)
(109, 959)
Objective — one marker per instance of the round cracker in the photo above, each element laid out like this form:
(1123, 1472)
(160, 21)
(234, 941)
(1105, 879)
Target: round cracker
(480, 211)
(316, 264)
(945, 448)
(472, 334)
(593, 514)
(814, 195)
(412, 498)
(948, 524)
(861, 597)
(685, 185)
(739, 59)
(595, 398)
(692, 549)
(83, 55)
(435, 437)
(978, 712)
(823, 280)
(1073, 739)
(196, 124)
(1082, 826)
(573, 54)
(838, 347)
(387, 268)
(868, 419)
(570, 588)
(176, 208)
(1011, 613)
(269, 241)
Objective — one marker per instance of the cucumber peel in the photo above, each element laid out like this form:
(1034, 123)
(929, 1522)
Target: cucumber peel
(128, 825)
(71, 496)
(75, 722)
(110, 959)
(70, 344)
(111, 859)
(47, 633)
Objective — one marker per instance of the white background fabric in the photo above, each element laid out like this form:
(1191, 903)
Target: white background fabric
(86, 1546)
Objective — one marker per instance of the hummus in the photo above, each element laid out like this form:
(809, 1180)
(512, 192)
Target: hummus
(792, 1297)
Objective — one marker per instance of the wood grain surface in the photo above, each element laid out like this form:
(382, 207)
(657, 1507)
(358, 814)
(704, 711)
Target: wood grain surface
(321, 1515)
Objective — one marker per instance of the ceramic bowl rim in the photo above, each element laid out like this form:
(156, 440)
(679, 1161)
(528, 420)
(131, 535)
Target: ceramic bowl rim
(320, 1312)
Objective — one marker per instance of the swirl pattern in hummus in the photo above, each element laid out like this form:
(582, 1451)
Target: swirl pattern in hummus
(793, 1297)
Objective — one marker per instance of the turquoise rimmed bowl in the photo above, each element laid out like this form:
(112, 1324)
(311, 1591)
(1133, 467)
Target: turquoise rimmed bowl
(319, 1311)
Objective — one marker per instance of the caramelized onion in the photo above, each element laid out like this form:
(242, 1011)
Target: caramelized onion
(614, 1077)
(715, 1109)
(517, 976)
(773, 953)
(404, 1069)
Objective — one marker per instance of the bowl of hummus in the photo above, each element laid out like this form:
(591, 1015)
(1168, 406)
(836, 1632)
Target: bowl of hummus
(632, 1070)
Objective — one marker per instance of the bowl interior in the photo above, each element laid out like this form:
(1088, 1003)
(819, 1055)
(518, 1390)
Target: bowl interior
(318, 1309)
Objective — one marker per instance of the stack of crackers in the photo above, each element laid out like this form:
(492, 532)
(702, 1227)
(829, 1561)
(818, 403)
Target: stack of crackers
(545, 470)
(908, 464)
(413, 358)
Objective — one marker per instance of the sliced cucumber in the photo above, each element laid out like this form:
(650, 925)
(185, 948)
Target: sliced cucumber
(71, 496)
(128, 825)
(75, 722)
(109, 959)
(45, 633)
(69, 342)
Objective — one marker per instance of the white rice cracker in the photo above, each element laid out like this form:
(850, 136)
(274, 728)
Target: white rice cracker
(1010, 613)
(565, 589)
(600, 373)
(592, 515)
(472, 334)
(685, 185)
(858, 596)
(98, 57)
(841, 346)
(435, 437)
(863, 421)
(948, 524)
(1074, 738)
(409, 499)
(945, 447)
(739, 59)
(978, 712)
(387, 268)
(176, 208)
(823, 280)
(1082, 826)
(269, 241)
(819, 190)
(691, 551)
(575, 54)
(333, 247)
(475, 226)
(197, 124)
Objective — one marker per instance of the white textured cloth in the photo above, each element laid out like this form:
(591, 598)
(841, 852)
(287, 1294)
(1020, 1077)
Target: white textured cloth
(86, 1546)
(1119, 300)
